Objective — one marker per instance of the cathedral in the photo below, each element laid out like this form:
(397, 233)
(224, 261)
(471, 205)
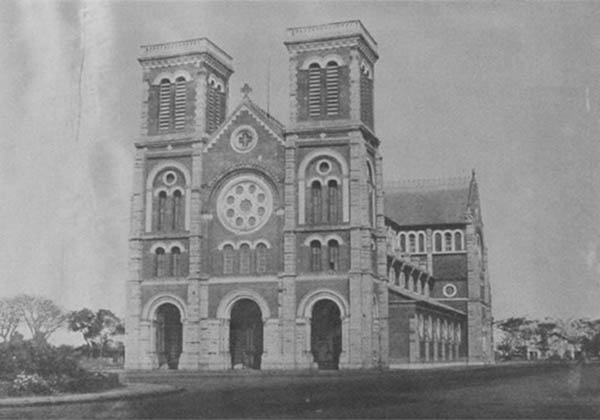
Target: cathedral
(256, 245)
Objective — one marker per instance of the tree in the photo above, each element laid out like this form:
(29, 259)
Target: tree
(41, 315)
(9, 318)
(517, 333)
(96, 328)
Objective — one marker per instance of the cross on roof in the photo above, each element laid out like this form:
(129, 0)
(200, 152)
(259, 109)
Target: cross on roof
(246, 89)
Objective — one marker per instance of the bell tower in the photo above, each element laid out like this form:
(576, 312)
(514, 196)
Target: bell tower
(186, 89)
(334, 206)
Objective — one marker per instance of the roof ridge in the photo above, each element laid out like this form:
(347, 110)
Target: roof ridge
(420, 183)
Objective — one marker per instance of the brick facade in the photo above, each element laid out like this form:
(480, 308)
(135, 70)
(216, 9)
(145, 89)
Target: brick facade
(285, 225)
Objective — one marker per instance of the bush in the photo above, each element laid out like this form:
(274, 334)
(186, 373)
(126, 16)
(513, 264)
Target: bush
(39, 358)
(29, 384)
(37, 368)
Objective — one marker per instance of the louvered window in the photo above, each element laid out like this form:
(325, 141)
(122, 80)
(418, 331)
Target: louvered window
(164, 105)
(215, 106)
(314, 90)
(180, 103)
(332, 88)
(366, 97)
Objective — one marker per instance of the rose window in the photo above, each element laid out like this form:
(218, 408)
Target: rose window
(243, 139)
(245, 204)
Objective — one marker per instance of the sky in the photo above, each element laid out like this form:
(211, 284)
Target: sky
(510, 89)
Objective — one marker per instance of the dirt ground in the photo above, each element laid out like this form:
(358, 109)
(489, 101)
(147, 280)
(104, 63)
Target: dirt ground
(501, 391)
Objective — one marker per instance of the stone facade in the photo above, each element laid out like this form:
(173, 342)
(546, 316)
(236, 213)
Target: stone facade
(258, 246)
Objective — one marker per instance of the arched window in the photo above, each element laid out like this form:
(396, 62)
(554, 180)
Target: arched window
(333, 255)
(228, 257)
(164, 105)
(316, 201)
(448, 241)
(421, 242)
(366, 96)
(244, 259)
(215, 103)
(412, 246)
(315, 256)
(407, 280)
(175, 262)
(314, 90)
(333, 198)
(402, 242)
(437, 242)
(333, 88)
(160, 262)
(177, 211)
(458, 242)
(261, 258)
(162, 210)
(180, 103)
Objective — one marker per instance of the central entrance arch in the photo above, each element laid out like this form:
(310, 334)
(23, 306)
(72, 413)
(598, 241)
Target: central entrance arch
(169, 335)
(326, 334)
(246, 335)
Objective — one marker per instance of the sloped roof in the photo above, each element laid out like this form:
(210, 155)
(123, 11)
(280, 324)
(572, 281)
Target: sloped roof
(408, 295)
(428, 202)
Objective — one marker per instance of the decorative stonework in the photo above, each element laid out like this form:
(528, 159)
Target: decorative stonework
(243, 139)
(245, 204)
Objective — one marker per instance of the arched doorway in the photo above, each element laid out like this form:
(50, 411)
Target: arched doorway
(169, 335)
(246, 335)
(326, 334)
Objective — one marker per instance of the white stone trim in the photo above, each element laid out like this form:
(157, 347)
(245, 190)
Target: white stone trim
(302, 182)
(225, 243)
(234, 134)
(313, 237)
(156, 245)
(308, 301)
(150, 186)
(224, 308)
(149, 311)
(177, 244)
(322, 61)
(172, 77)
(334, 236)
(262, 241)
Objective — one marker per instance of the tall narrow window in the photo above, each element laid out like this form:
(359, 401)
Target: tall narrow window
(332, 88)
(402, 242)
(215, 103)
(458, 246)
(245, 259)
(315, 256)
(228, 256)
(314, 90)
(438, 242)
(333, 192)
(421, 242)
(261, 258)
(160, 262)
(447, 241)
(162, 210)
(366, 96)
(175, 262)
(180, 103)
(164, 105)
(333, 255)
(316, 202)
(371, 195)
(412, 243)
(177, 210)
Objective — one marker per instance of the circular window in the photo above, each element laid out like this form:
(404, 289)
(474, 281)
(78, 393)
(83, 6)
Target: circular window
(243, 139)
(449, 290)
(169, 178)
(244, 204)
(323, 167)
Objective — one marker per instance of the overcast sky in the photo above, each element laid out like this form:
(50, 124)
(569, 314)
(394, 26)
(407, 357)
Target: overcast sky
(510, 89)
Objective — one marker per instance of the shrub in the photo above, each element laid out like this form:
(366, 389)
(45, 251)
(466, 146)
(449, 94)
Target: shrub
(29, 384)
(36, 358)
